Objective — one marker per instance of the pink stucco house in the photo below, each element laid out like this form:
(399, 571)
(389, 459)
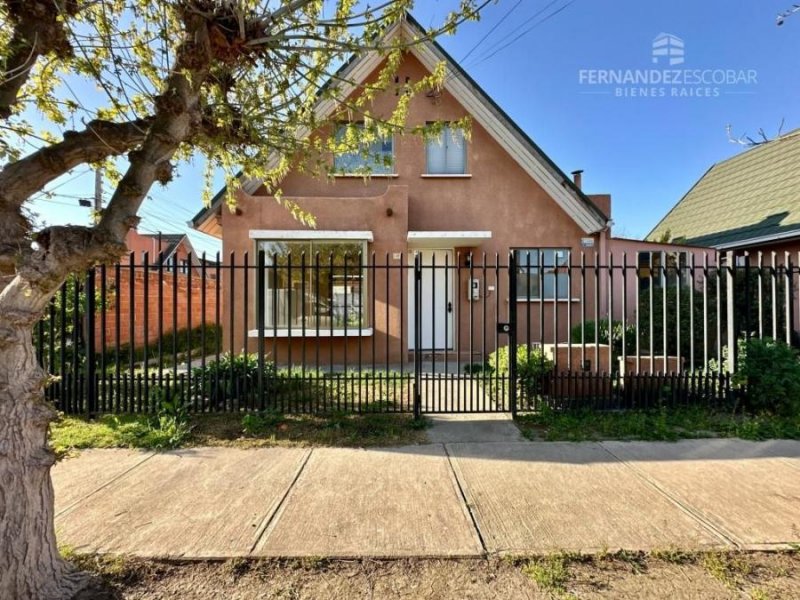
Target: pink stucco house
(454, 201)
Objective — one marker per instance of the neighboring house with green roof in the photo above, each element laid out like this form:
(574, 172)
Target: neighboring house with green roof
(747, 204)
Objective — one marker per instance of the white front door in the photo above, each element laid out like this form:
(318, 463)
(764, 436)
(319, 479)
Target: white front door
(437, 301)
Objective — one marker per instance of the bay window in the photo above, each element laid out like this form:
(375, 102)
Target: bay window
(316, 285)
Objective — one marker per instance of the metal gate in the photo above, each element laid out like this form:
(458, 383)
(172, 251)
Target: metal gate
(462, 321)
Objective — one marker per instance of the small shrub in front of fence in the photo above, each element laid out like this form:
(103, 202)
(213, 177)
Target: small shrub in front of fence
(533, 368)
(769, 372)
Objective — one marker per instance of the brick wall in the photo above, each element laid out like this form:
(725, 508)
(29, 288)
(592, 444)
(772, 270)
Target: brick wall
(120, 304)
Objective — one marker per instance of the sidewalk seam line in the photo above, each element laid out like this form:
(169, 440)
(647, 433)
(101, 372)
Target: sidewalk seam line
(463, 495)
(788, 462)
(105, 485)
(686, 508)
(265, 528)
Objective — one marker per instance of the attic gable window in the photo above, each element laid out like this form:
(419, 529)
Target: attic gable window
(447, 153)
(375, 157)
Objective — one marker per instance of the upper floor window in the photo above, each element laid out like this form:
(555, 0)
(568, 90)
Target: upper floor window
(542, 273)
(447, 153)
(371, 157)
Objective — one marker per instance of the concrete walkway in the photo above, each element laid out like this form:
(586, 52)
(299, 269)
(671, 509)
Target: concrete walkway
(460, 499)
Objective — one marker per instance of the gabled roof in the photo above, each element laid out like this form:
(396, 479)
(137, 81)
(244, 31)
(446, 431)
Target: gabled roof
(482, 109)
(750, 199)
(170, 242)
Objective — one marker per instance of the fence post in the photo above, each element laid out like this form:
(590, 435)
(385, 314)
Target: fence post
(91, 367)
(789, 299)
(260, 320)
(417, 335)
(512, 333)
(730, 277)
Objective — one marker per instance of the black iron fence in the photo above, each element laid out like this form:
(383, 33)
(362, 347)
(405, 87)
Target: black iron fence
(428, 331)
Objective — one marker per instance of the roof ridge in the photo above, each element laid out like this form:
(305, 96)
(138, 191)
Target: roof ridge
(760, 146)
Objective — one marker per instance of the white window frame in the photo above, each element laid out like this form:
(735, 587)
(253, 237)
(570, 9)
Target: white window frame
(311, 328)
(446, 134)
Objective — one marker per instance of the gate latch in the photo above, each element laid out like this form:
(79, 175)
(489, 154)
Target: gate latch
(504, 328)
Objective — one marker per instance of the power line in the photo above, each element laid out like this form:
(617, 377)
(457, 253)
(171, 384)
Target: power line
(488, 33)
(527, 31)
(63, 183)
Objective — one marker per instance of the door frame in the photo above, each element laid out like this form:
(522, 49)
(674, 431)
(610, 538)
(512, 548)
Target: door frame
(410, 317)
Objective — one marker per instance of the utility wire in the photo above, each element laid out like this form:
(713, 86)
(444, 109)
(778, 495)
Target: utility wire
(527, 31)
(488, 33)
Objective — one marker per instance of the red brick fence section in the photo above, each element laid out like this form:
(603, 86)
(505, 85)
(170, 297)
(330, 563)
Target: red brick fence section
(174, 302)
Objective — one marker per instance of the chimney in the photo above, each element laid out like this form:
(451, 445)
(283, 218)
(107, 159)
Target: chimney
(577, 177)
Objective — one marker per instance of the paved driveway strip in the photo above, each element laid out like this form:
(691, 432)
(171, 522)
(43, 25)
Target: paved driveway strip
(748, 491)
(199, 503)
(375, 503)
(543, 497)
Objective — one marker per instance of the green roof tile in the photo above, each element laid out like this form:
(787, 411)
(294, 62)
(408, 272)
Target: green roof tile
(753, 194)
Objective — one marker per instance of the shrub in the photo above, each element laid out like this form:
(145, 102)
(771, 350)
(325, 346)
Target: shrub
(532, 367)
(233, 378)
(617, 328)
(478, 369)
(689, 325)
(197, 341)
(769, 371)
(171, 423)
(255, 424)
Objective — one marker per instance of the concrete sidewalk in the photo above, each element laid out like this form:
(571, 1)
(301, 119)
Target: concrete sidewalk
(435, 500)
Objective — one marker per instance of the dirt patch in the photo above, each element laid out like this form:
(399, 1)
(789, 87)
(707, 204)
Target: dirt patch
(758, 576)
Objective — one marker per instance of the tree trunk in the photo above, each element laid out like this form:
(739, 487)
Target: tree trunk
(30, 564)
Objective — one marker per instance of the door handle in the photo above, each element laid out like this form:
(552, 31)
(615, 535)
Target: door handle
(449, 307)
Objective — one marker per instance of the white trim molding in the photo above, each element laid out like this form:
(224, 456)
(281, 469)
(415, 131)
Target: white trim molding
(310, 234)
(311, 332)
(757, 241)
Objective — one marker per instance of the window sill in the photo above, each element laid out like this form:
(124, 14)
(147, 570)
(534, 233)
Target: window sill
(312, 332)
(446, 176)
(366, 175)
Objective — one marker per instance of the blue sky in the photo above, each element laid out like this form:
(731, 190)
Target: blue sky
(646, 152)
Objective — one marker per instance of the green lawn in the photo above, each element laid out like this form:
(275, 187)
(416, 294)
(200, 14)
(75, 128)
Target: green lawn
(664, 424)
(251, 430)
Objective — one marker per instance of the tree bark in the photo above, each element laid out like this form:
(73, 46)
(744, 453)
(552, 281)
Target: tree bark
(30, 565)
(38, 28)
(23, 178)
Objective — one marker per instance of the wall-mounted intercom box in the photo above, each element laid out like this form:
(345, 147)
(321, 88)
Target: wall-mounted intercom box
(474, 290)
